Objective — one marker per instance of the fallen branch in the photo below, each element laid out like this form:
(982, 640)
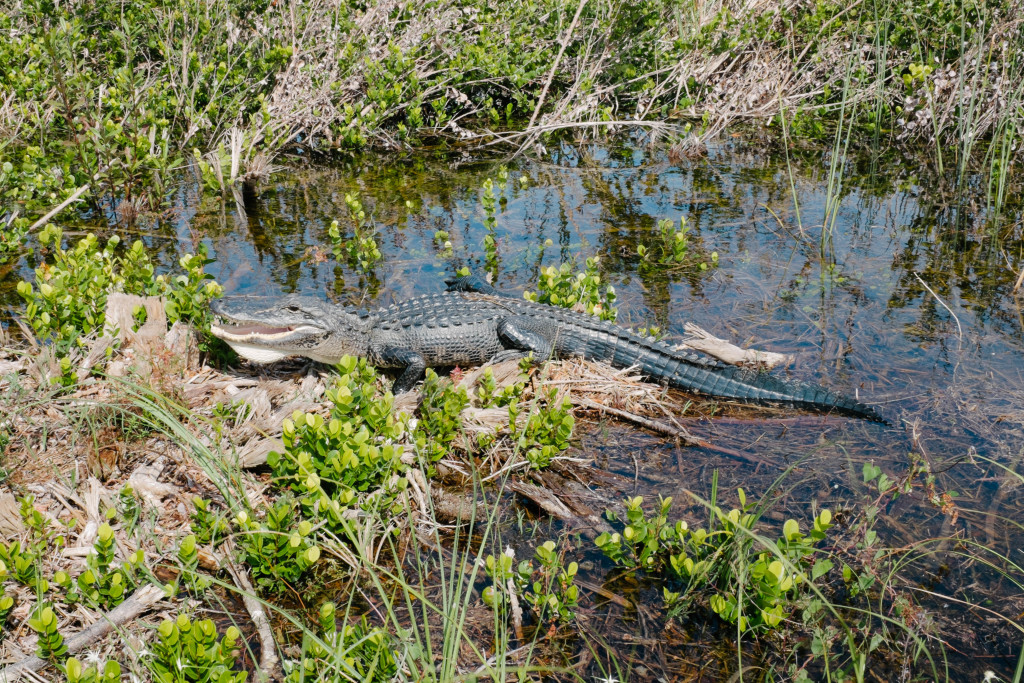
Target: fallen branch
(269, 669)
(60, 207)
(653, 425)
(701, 340)
(139, 602)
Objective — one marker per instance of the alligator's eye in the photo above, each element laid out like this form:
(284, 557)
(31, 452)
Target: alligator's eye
(293, 308)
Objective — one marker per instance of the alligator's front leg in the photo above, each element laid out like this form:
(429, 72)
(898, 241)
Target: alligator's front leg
(410, 362)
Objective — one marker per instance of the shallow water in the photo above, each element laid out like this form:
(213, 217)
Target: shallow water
(851, 303)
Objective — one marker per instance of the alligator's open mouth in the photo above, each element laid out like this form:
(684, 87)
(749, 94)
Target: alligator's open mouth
(262, 343)
(251, 332)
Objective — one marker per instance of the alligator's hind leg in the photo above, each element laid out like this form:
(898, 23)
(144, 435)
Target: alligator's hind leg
(514, 335)
(413, 366)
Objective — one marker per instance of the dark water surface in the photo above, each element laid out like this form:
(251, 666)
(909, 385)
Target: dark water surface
(854, 309)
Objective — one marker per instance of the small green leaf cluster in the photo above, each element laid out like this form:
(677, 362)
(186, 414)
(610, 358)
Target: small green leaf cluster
(649, 542)
(439, 417)
(189, 294)
(547, 431)
(351, 652)
(6, 602)
(723, 559)
(31, 181)
(188, 565)
(209, 527)
(21, 563)
(487, 394)
(561, 287)
(673, 246)
(361, 251)
(69, 297)
(343, 453)
(549, 589)
(51, 642)
(102, 584)
(74, 672)
(489, 203)
(186, 652)
(277, 549)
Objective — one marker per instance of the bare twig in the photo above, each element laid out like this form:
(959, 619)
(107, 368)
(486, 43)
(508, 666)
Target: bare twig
(269, 662)
(53, 212)
(653, 425)
(959, 330)
(554, 67)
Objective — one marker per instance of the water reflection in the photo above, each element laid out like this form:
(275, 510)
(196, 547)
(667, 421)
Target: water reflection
(906, 300)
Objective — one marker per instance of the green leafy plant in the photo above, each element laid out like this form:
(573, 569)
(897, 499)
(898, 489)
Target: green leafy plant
(22, 564)
(362, 250)
(582, 291)
(102, 584)
(190, 652)
(188, 565)
(749, 584)
(51, 643)
(547, 431)
(209, 527)
(350, 652)
(277, 549)
(343, 454)
(673, 247)
(549, 589)
(439, 417)
(69, 297)
(74, 672)
(487, 394)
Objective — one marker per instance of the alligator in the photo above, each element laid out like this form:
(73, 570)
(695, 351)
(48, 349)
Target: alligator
(472, 323)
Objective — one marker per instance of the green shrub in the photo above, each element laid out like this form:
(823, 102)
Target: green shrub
(102, 584)
(74, 672)
(51, 642)
(208, 526)
(362, 251)
(440, 419)
(347, 452)
(69, 298)
(277, 549)
(549, 589)
(547, 431)
(190, 652)
(351, 652)
(725, 559)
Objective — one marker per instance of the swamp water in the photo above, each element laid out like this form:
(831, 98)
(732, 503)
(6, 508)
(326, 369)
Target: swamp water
(905, 300)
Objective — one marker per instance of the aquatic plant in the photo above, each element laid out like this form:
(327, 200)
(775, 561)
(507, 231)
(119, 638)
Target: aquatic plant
(562, 287)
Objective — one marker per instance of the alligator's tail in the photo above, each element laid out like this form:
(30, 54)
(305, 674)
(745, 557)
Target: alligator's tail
(683, 371)
(688, 371)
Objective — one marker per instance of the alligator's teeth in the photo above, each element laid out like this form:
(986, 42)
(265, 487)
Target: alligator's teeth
(257, 333)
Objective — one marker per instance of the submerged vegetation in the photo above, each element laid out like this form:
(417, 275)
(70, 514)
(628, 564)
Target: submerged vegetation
(335, 532)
